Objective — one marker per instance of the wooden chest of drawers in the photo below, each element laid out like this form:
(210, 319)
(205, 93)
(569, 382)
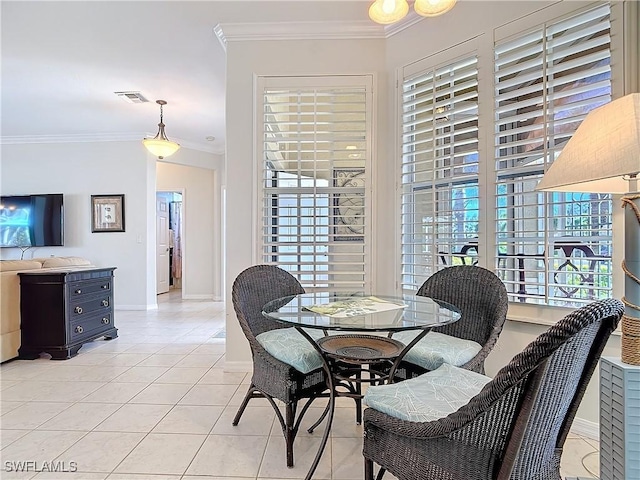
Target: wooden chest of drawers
(63, 309)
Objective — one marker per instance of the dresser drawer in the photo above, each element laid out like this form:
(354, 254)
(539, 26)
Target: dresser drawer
(86, 306)
(88, 326)
(86, 288)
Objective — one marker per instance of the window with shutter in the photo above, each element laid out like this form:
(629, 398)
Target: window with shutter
(315, 182)
(439, 178)
(552, 248)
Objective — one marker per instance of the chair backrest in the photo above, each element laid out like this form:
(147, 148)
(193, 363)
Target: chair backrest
(562, 382)
(528, 407)
(478, 293)
(253, 288)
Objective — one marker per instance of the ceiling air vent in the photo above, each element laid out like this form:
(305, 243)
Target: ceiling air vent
(131, 97)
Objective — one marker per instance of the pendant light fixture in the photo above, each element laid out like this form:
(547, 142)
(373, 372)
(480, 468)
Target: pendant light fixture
(391, 11)
(160, 145)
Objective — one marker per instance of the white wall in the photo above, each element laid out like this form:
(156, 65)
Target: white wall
(79, 170)
(288, 58)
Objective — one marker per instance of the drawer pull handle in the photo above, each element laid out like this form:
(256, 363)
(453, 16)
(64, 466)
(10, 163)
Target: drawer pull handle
(105, 286)
(105, 321)
(79, 329)
(78, 310)
(78, 291)
(105, 303)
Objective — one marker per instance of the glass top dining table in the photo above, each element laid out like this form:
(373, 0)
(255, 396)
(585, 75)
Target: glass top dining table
(361, 312)
(354, 314)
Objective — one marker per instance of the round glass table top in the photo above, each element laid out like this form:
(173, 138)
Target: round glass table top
(360, 312)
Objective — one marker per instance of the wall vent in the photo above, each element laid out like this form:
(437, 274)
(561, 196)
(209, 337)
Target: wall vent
(132, 97)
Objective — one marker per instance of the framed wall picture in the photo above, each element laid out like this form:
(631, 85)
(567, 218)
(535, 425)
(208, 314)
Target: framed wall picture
(348, 207)
(107, 213)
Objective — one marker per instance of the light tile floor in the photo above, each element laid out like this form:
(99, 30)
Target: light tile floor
(156, 404)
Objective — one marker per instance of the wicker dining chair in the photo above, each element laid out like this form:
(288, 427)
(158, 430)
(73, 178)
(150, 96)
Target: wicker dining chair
(514, 427)
(482, 298)
(273, 378)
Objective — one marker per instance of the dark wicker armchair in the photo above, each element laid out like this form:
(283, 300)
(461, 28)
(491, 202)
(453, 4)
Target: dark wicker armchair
(272, 378)
(516, 426)
(481, 297)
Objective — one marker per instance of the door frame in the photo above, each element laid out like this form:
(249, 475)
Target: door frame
(183, 237)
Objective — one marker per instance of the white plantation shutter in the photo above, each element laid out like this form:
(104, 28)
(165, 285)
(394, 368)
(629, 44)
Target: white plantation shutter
(315, 180)
(439, 178)
(546, 82)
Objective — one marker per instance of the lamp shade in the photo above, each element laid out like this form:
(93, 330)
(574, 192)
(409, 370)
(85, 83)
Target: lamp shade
(160, 148)
(604, 149)
(433, 8)
(388, 11)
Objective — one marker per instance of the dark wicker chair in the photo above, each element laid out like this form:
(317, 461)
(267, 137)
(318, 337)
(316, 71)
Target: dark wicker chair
(515, 428)
(481, 297)
(273, 379)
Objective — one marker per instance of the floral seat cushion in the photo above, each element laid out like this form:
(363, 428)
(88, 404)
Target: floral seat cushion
(428, 397)
(289, 346)
(437, 348)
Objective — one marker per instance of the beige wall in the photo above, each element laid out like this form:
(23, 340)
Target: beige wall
(200, 221)
(79, 170)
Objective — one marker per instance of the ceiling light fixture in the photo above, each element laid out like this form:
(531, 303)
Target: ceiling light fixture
(160, 145)
(391, 11)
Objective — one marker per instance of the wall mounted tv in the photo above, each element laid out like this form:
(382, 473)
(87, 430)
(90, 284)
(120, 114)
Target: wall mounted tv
(32, 220)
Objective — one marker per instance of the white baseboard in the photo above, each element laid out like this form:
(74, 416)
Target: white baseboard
(238, 366)
(197, 297)
(153, 306)
(586, 428)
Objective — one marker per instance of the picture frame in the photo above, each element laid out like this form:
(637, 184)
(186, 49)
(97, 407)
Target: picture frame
(348, 207)
(107, 213)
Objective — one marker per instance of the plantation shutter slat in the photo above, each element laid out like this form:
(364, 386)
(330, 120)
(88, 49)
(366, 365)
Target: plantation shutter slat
(535, 117)
(315, 206)
(439, 178)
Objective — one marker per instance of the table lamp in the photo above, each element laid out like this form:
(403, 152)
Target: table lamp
(603, 156)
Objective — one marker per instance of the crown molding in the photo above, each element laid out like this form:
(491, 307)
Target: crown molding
(311, 30)
(104, 137)
(411, 19)
(77, 138)
(219, 33)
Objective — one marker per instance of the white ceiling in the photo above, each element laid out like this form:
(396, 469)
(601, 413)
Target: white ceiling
(62, 61)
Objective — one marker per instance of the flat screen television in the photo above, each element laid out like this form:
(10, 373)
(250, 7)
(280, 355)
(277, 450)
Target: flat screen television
(32, 220)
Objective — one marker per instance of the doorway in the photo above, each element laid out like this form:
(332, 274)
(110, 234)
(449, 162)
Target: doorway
(169, 241)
